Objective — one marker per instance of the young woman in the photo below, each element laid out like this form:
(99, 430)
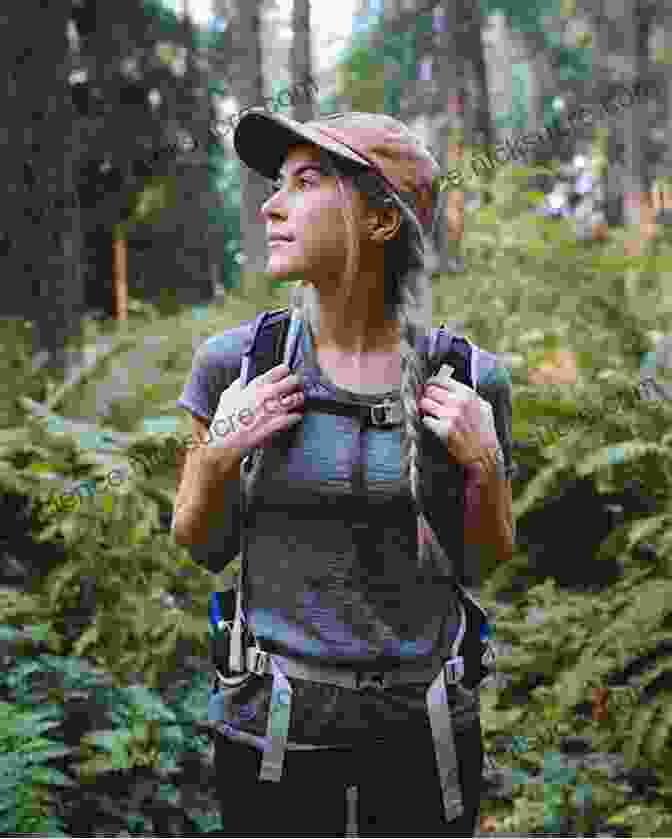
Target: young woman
(340, 584)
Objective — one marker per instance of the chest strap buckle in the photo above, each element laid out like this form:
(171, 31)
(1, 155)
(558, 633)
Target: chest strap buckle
(386, 413)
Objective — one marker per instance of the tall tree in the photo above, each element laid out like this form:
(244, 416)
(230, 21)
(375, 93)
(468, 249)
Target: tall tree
(301, 60)
(39, 155)
(451, 128)
(473, 52)
(636, 30)
(665, 59)
(97, 115)
(248, 88)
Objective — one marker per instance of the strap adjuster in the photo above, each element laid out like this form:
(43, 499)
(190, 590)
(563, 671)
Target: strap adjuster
(257, 660)
(454, 669)
(386, 413)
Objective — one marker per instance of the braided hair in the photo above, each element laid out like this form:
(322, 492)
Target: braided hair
(408, 299)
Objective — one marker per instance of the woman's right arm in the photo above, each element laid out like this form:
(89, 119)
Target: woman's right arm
(247, 417)
(205, 478)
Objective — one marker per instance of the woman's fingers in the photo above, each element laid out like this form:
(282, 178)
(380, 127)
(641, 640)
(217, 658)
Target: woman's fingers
(275, 374)
(251, 415)
(280, 373)
(431, 406)
(282, 405)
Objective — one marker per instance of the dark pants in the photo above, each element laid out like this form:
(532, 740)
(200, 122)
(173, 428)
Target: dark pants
(398, 788)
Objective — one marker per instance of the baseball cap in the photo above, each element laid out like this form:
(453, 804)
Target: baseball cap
(374, 141)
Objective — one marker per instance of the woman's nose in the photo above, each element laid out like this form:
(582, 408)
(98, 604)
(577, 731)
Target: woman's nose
(272, 206)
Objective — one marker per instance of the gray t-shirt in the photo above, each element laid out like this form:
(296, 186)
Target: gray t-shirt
(331, 571)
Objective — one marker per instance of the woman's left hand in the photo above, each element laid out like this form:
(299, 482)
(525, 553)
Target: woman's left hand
(459, 417)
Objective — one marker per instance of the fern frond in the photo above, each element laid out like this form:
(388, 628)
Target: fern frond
(621, 453)
(644, 530)
(661, 731)
(89, 638)
(640, 724)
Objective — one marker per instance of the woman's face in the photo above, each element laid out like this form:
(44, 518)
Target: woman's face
(306, 206)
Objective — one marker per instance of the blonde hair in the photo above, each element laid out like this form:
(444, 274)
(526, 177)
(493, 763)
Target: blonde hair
(408, 298)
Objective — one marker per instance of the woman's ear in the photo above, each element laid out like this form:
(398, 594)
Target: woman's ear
(384, 224)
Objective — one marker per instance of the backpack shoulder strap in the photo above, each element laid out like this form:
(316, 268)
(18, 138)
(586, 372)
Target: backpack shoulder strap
(263, 350)
(444, 347)
(265, 344)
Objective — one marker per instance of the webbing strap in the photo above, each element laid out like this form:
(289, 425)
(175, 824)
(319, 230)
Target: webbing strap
(260, 663)
(444, 747)
(277, 730)
(440, 718)
(383, 415)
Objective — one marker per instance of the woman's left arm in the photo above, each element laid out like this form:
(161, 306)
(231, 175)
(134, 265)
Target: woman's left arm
(478, 437)
(488, 515)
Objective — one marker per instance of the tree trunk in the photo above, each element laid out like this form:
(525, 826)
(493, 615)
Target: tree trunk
(301, 61)
(248, 87)
(120, 263)
(450, 133)
(601, 32)
(481, 129)
(50, 247)
(663, 195)
(636, 186)
(533, 51)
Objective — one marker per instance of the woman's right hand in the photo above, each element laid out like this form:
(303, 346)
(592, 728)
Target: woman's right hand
(249, 416)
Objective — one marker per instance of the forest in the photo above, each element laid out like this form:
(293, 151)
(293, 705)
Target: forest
(130, 234)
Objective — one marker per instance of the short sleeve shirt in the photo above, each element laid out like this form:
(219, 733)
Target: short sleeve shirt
(331, 551)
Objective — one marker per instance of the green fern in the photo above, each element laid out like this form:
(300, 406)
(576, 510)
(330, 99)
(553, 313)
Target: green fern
(24, 777)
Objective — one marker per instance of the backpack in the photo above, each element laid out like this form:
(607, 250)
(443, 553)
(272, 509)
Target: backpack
(263, 350)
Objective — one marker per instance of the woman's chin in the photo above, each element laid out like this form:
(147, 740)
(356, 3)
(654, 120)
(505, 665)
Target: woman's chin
(281, 272)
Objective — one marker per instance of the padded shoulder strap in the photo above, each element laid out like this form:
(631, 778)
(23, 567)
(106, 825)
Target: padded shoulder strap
(263, 349)
(456, 350)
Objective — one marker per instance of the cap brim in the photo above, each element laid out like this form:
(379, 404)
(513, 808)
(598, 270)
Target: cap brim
(262, 139)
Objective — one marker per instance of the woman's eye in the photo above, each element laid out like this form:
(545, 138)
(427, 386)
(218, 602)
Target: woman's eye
(276, 186)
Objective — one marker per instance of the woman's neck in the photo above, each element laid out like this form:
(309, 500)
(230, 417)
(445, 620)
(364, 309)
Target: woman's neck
(356, 334)
(360, 363)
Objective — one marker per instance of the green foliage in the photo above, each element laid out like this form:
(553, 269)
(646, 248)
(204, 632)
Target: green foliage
(147, 738)
(225, 176)
(17, 377)
(531, 289)
(24, 773)
(378, 64)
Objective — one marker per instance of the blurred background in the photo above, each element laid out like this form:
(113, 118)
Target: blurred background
(121, 186)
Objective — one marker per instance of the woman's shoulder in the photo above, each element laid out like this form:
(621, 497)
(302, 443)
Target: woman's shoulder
(492, 370)
(225, 349)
